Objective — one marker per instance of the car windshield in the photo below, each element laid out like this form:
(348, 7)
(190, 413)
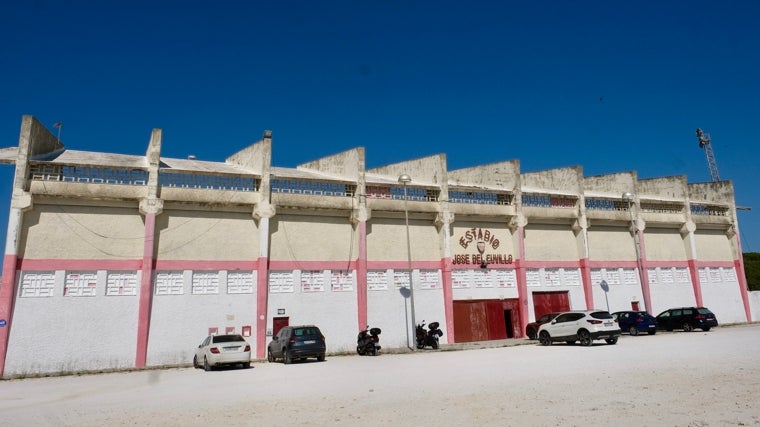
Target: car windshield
(299, 332)
(601, 315)
(227, 338)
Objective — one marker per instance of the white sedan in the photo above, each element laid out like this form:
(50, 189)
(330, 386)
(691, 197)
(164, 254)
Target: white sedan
(218, 350)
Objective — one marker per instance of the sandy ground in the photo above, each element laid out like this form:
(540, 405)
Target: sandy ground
(669, 379)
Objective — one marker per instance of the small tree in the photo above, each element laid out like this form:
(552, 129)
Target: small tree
(752, 270)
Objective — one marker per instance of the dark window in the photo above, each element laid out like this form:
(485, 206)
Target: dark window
(688, 312)
(601, 315)
(227, 338)
(704, 311)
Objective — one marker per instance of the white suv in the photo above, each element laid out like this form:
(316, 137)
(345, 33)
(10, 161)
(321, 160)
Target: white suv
(583, 326)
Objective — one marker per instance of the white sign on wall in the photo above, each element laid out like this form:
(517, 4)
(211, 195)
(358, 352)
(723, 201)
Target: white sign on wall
(342, 281)
(505, 278)
(121, 283)
(377, 280)
(80, 284)
(169, 283)
(429, 279)
(240, 282)
(37, 284)
(312, 281)
(460, 279)
(281, 282)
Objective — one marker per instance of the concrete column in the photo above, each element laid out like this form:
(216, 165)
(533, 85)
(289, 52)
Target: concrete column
(444, 220)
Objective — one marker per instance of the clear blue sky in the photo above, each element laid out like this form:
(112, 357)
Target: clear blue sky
(611, 86)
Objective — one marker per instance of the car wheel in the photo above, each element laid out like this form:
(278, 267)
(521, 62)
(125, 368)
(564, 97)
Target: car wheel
(321, 357)
(706, 328)
(288, 360)
(544, 338)
(612, 341)
(585, 338)
(531, 333)
(206, 366)
(270, 356)
(633, 331)
(195, 362)
(687, 327)
(652, 332)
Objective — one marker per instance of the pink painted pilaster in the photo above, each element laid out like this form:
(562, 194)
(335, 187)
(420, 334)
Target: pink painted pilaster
(644, 274)
(695, 282)
(262, 302)
(588, 287)
(361, 277)
(146, 293)
(448, 299)
(522, 285)
(739, 267)
(7, 300)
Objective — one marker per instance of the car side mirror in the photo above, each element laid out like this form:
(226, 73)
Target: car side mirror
(274, 338)
(554, 322)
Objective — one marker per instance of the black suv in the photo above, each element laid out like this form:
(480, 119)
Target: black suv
(297, 342)
(686, 318)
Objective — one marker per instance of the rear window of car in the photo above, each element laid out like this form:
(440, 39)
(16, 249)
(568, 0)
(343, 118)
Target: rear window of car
(601, 315)
(305, 332)
(704, 311)
(227, 338)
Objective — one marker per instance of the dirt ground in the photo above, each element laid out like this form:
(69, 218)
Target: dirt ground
(669, 379)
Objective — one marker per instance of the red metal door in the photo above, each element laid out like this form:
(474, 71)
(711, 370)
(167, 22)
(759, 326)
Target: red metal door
(279, 323)
(548, 302)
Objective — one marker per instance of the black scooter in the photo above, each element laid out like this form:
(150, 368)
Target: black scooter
(429, 337)
(367, 342)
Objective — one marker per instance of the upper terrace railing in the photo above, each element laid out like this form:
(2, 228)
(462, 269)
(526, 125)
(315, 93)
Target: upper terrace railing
(653, 207)
(712, 210)
(87, 174)
(397, 193)
(317, 188)
(606, 204)
(548, 201)
(207, 181)
(480, 198)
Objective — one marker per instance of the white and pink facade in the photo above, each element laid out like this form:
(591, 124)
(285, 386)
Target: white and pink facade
(118, 261)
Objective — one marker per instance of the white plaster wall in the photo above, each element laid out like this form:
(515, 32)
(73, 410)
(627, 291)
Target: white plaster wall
(179, 323)
(334, 312)
(725, 300)
(610, 244)
(754, 305)
(664, 245)
(550, 243)
(713, 245)
(206, 235)
(67, 334)
(619, 297)
(389, 309)
(670, 295)
(81, 232)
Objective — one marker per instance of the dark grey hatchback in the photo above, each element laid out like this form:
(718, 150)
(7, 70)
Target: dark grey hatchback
(297, 342)
(686, 318)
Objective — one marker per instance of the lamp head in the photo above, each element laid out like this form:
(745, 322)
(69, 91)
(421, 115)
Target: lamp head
(404, 179)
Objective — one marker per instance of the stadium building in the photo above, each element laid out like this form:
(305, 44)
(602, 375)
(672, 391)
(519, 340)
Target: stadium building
(116, 261)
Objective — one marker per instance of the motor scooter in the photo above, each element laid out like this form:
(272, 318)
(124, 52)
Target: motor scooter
(429, 337)
(367, 342)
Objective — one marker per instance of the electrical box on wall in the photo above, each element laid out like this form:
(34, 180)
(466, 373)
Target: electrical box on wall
(213, 331)
(247, 331)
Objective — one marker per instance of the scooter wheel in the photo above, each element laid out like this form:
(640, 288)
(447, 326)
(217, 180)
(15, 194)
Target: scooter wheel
(360, 350)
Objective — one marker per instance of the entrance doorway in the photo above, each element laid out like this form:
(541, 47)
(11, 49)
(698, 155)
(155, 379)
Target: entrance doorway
(279, 323)
(550, 302)
(485, 320)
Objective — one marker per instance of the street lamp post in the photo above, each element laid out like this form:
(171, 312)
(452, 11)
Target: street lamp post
(405, 179)
(628, 197)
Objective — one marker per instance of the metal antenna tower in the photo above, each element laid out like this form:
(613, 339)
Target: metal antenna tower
(712, 165)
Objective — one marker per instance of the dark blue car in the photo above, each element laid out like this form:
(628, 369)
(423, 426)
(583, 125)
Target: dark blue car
(635, 322)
